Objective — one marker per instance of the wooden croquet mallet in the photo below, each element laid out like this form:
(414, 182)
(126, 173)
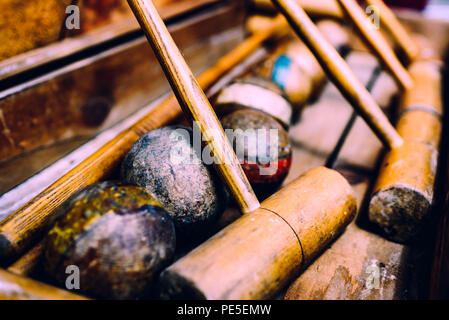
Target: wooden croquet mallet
(194, 103)
(21, 228)
(376, 42)
(404, 191)
(257, 255)
(297, 223)
(339, 73)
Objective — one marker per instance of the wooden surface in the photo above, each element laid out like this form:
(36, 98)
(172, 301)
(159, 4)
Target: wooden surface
(102, 33)
(25, 25)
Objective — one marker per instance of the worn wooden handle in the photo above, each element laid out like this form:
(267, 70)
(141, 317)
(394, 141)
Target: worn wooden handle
(404, 190)
(259, 253)
(19, 230)
(339, 72)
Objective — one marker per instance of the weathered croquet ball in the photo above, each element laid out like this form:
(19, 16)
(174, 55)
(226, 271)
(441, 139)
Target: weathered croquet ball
(117, 236)
(255, 93)
(262, 147)
(168, 163)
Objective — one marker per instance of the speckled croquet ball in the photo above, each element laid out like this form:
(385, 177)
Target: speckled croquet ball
(262, 147)
(118, 237)
(167, 165)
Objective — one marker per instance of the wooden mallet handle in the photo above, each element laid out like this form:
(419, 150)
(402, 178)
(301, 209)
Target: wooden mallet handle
(331, 9)
(257, 255)
(195, 103)
(339, 73)
(397, 31)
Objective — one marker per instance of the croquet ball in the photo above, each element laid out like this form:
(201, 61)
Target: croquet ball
(115, 239)
(168, 163)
